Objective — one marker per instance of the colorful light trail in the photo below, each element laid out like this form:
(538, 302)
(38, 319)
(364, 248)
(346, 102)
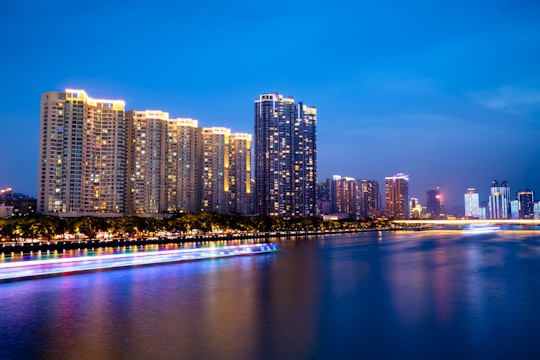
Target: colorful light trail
(22, 269)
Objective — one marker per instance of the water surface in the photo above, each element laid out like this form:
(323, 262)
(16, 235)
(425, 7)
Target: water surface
(414, 295)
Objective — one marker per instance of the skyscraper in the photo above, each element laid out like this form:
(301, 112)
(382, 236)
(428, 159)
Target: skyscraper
(215, 169)
(526, 204)
(183, 165)
(434, 203)
(371, 199)
(95, 159)
(397, 196)
(285, 157)
(499, 200)
(240, 173)
(164, 164)
(82, 157)
(472, 204)
(146, 158)
(359, 199)
(345, 195)
(305, 161)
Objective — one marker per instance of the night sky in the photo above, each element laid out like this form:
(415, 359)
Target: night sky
(447, 92)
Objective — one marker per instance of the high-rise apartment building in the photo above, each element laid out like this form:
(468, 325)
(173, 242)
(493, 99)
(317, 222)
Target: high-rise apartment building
(164, 163)
(146, 157)
(499, 200)
(371, 199)
(183, 165)
(305, 161)
(226, 171)
(215, 170)
(434, 203)
(472, 204)
(345, 195)
(360, 199)
(240, 173)
(285, 157)
(97, 160)
(526, 204)
(82, 156)
(397, 196)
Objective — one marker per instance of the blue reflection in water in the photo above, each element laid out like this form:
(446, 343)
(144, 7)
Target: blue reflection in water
(390, 295)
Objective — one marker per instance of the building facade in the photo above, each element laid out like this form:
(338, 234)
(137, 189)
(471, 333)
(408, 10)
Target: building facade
(96, 159)
(472, 204)
(499, 200)
(397, 196)
(345, 196)
(358, 199)
(525, 200)
(285, 157)
(83, 153)
(146, 157)
(434, 204)
(240, 173)
(215, 170)
(371, 199)
(183, 165)
(163, 163)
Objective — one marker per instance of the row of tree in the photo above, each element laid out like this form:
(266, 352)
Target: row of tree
(49, 227)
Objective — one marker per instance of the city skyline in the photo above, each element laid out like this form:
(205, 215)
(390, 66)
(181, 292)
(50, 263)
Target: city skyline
(447, 93)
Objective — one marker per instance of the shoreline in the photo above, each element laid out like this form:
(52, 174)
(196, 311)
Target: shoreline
(28, 247)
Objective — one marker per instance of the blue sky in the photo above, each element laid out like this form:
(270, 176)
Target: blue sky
(447, 93)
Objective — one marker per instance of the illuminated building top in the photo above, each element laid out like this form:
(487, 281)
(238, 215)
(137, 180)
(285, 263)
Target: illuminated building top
(72, 94)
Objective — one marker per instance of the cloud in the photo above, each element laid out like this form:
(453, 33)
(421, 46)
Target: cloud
(509, 99)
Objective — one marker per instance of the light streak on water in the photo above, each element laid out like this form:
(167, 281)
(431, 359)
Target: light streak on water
(20, 269)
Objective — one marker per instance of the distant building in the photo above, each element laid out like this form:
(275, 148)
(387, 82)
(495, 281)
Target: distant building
(323, 198)
(397, 196)
(472, 204)
(484, 213)
(285, 157)
(6, 211)
(345, 196)
(434, 203)
(536, 210)
(22, 204)
(499, 200)
(525, 199)
(416, 209)
(514, 209)
(371, 199)
(359, 199)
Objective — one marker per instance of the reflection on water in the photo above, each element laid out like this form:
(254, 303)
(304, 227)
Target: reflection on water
(372, 295)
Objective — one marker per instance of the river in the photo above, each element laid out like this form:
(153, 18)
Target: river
(386, 295)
